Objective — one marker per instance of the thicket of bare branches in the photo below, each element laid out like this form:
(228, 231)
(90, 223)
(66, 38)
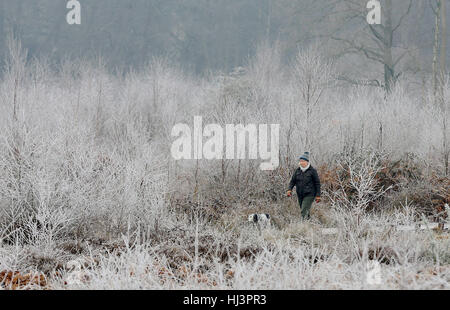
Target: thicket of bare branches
(85, 166)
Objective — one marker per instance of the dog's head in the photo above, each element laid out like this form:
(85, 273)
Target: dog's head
(256, 218)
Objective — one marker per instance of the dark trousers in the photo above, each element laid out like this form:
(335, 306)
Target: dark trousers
(305, 205)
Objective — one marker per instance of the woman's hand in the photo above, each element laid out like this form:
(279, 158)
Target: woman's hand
(318, 199)
(289, 193)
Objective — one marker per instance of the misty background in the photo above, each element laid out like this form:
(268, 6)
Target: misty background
(215, 35)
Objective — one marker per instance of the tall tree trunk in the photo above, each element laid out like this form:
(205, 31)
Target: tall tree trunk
(436, 52)
(389, 77)
(444, 40)
(443, 71)
(269, 20)
(2, 29)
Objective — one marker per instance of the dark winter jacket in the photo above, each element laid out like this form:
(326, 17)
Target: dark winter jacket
(307, 183)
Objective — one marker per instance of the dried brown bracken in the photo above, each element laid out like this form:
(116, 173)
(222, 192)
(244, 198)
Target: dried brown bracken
(14, 280)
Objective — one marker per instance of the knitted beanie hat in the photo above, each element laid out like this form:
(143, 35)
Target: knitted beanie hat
(305, 156)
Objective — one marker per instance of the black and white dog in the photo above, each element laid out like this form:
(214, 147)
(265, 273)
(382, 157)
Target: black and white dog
(261, 220)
